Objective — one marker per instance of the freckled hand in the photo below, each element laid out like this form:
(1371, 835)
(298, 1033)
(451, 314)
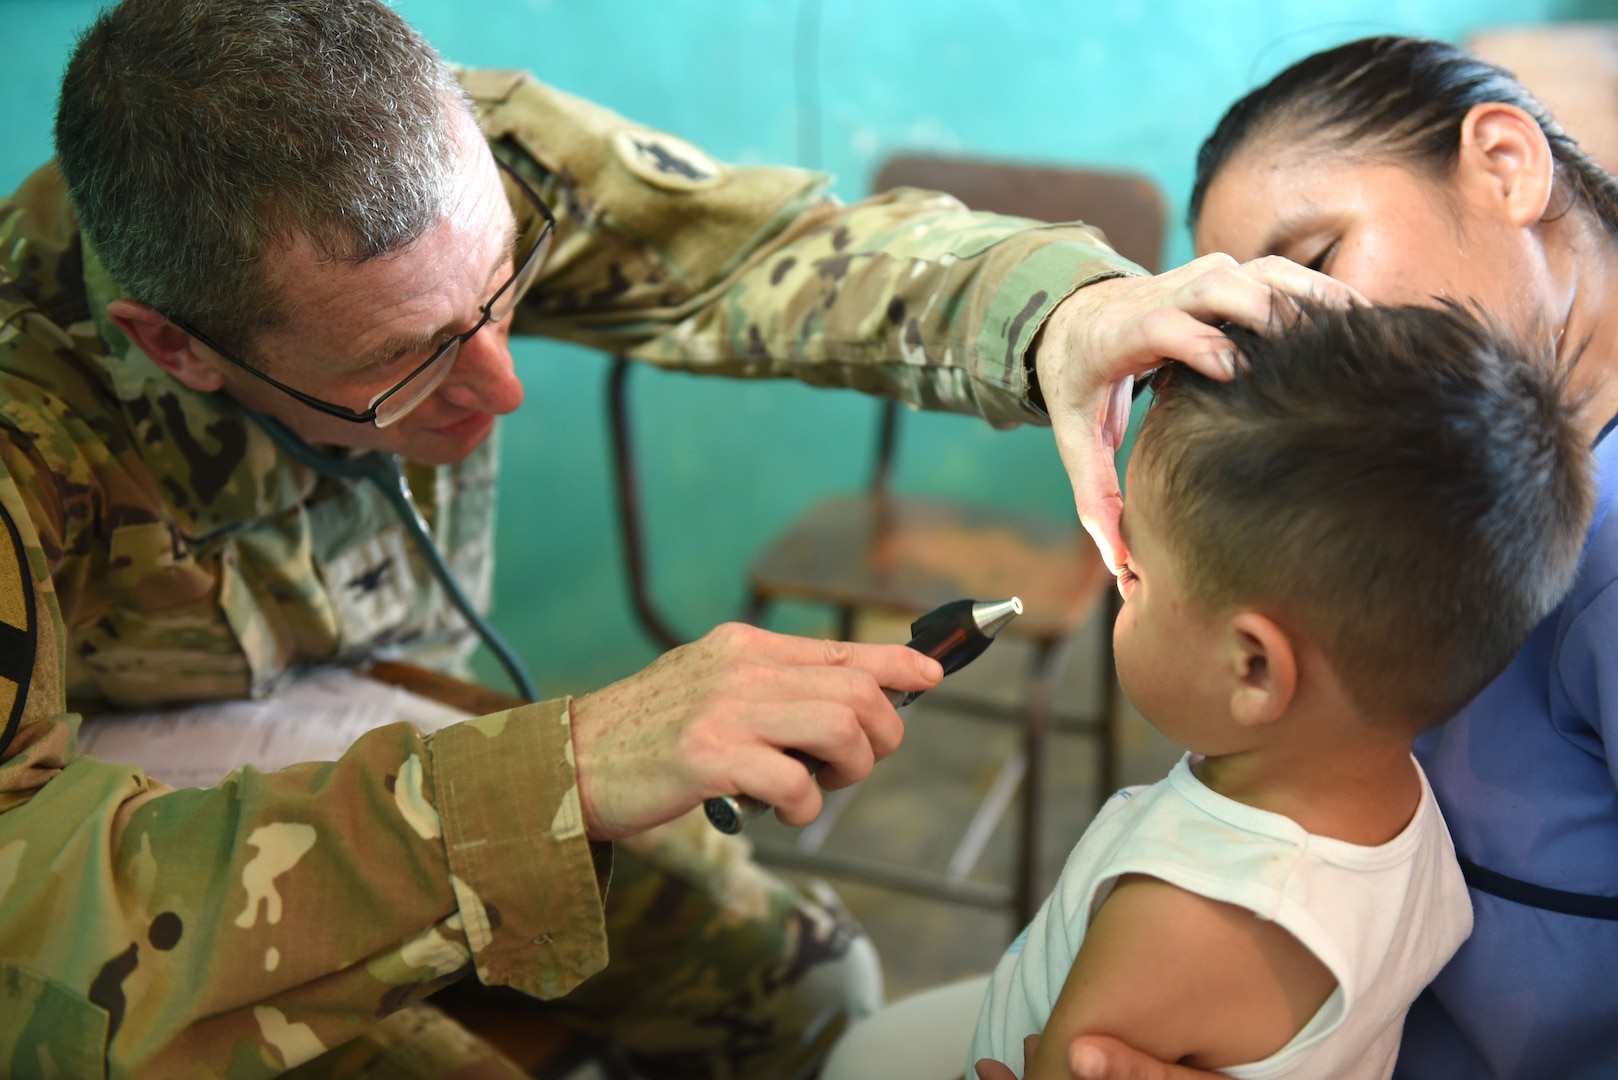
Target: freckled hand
(954, 635)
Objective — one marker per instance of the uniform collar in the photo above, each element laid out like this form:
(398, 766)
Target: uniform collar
(217, 468)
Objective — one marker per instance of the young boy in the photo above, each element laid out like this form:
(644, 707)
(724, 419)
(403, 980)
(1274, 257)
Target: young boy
(1328, 554)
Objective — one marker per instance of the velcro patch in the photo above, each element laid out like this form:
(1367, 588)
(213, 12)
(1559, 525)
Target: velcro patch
(666, 162)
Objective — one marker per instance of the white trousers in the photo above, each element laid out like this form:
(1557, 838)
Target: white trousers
(923, 1037)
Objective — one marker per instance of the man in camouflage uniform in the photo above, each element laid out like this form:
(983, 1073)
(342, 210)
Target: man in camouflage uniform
(301, 183)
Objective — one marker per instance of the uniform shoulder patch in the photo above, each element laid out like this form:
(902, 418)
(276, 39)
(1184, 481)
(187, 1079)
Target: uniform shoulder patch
(667, 162)
(18, 628)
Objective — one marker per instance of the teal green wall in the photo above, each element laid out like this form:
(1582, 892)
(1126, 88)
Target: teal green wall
(1127, 83)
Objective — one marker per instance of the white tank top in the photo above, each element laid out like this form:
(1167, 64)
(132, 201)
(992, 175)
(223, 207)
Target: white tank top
(1382, 919)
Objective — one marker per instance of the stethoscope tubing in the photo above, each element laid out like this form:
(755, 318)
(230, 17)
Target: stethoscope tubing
(384, 471)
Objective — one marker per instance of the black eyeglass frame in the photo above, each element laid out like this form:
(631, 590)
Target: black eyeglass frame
(369, 415)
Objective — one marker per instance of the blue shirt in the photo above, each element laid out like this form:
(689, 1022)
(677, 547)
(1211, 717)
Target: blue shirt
(1528, 783)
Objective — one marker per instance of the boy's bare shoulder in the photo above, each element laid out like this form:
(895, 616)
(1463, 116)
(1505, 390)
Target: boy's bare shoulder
(1184, 978)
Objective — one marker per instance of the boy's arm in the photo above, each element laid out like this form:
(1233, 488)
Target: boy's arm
(1183, 979)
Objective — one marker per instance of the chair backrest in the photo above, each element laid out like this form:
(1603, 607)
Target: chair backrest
(1127, 207)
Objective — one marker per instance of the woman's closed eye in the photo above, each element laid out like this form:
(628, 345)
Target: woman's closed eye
(1318, 263)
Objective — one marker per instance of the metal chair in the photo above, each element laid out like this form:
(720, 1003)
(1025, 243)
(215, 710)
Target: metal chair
(880, 551)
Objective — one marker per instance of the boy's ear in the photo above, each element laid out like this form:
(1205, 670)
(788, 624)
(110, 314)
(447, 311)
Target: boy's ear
(1264, 669)
(170, 348)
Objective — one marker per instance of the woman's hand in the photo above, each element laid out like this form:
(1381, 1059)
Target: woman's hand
(1098, 339)
(1096, 1057)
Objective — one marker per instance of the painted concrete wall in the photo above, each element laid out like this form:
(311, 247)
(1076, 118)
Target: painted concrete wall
(1122, 83)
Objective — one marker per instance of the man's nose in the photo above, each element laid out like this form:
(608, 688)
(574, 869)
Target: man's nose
(484, 376)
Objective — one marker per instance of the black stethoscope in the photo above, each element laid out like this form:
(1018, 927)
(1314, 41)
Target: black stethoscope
(383, 470)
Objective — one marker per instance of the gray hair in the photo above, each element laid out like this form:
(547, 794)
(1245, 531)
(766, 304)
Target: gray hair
(197, 136)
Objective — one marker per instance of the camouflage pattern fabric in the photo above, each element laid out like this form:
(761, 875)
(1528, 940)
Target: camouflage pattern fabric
(416, 1043)
(758, 273)
(731, 972)
(734, 973)
(718, 970)
(174, 554)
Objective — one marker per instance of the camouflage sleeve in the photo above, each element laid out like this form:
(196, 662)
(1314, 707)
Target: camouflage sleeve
(664, 254)
(242, 929)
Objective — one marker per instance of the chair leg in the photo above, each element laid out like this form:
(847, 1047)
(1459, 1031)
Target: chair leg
(845, 623)
(629, 513)
(1036, 739)
(1109, 730)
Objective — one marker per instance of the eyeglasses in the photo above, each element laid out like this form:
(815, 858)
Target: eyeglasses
(392, 404)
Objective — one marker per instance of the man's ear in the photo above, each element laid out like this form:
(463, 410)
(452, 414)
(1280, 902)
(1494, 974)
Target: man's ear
(170, 348)
(1506, 159)
(1264, 670)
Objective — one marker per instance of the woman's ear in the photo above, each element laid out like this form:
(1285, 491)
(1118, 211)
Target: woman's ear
(1506, 159)
(1265, 670)
(170, 348)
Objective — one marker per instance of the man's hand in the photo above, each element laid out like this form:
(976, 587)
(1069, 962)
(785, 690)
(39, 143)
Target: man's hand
(1097, 340)
(712, 718)
(1097, 1057)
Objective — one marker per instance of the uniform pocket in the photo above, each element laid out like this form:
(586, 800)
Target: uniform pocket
(148, 563)
(158, 633)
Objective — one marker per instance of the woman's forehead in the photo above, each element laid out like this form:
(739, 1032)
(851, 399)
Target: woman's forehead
(1275, 189)
(1246, 201)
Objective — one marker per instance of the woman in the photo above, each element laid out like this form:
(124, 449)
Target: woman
(1409, 169)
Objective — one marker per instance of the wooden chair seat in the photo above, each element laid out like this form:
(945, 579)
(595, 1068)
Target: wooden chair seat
(908, 555)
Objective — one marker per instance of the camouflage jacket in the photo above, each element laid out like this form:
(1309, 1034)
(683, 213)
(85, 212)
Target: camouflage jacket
(160, 547)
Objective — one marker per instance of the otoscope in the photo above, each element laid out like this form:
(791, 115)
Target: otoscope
(954, 635)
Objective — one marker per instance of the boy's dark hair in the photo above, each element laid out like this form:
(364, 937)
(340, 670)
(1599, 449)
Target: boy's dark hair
(1408, 485)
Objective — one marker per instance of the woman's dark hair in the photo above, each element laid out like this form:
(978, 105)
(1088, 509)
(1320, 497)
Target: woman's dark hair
(1403, 97)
